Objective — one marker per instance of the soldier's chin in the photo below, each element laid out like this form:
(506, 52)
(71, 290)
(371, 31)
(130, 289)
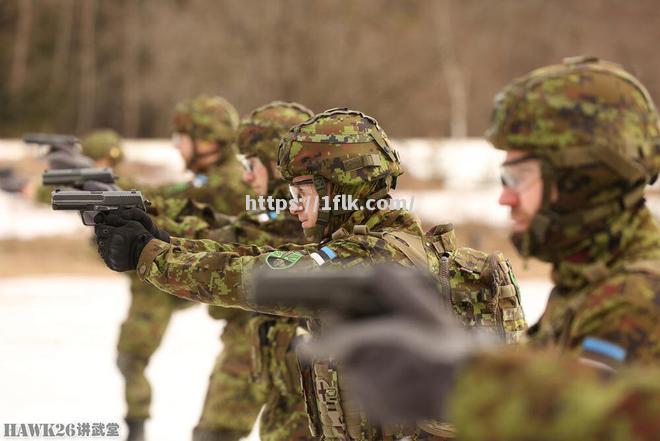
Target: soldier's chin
(307, 224)
(520, 226)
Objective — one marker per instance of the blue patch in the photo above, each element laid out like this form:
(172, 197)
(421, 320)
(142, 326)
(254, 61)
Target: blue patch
(200, 180)
(272, 215)
(604, 348)
(328, 252)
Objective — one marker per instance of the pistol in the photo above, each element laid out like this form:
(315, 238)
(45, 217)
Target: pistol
(92, 203)
(54, 142)
(76, 177)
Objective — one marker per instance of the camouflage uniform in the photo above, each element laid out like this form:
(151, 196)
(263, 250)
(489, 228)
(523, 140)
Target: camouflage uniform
(348, 151)
(273, 359)
(595, 130)
(549, 397)
(181, 209)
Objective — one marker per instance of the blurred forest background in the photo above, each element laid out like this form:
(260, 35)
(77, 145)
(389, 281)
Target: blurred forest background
(424, 68)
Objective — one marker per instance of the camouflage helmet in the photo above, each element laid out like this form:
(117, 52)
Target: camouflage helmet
(345, 148)
(260, 132)
(596, 132)
(207, 118)
(103, 144)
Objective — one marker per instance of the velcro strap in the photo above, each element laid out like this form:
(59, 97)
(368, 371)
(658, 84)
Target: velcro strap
(512, 314)
(359, 162)
(618, 163)
(410, 245)
(573, 157)
(507, 291)
(339, 234)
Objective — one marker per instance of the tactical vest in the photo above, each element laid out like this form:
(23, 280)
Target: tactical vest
(483, 293)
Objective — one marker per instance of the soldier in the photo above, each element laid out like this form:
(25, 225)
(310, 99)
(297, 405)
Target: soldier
(204, 130)
(103, 147)
(338, 152)
(274, 362)
(582, 141)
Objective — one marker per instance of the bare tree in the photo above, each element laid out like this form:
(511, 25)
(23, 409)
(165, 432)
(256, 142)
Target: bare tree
(131, 74)
(451, 70)
(60, 64)
(87, 91)
(18, 70)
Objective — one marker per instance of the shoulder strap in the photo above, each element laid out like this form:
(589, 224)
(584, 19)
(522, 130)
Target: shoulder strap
(411, 245)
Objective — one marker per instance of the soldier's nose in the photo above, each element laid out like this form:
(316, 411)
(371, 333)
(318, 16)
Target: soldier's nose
(508, 197)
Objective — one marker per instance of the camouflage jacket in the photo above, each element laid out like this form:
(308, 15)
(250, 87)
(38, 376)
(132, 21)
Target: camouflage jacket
(220, 274)
(616, 299)
(261, 228)
(273, 359)
(186, 209)
(608, 314)
(539, 395)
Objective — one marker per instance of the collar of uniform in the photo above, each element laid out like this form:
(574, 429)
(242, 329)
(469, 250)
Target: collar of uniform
(379, 220)
(632, 237)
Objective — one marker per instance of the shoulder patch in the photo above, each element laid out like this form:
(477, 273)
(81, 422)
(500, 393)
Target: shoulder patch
(323, 255)
(282, 259)
(200, 180)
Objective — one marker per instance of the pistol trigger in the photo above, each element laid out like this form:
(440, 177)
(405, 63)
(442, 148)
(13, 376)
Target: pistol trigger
(99, 218)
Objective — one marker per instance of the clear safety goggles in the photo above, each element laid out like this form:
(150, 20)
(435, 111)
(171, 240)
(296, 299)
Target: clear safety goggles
(521, 173)
(246, 162)
(302, 189)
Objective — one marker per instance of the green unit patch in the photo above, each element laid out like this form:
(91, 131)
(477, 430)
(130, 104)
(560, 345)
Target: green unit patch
(282, 259)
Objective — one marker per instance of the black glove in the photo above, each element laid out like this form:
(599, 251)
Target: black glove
(137, 215)
(121, 242)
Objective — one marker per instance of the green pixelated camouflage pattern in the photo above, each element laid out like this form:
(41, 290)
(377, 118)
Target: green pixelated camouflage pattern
(343, 146)
(207, 118)
(185, 209)
(596, 131)
(609, 291)
(233, 400)
(103, 144)
(580, 103)
(530, 395)
(259, 133)
(217, 273)
(211, 272)
(615, 297)
(224, 192)
(274, 363)
(484, 292)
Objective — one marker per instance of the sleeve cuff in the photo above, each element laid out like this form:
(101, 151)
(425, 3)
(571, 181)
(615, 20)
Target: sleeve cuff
(152, 250)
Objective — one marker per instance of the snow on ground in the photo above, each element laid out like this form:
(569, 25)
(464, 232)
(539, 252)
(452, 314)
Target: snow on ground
(24, 219)
(58, 337)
